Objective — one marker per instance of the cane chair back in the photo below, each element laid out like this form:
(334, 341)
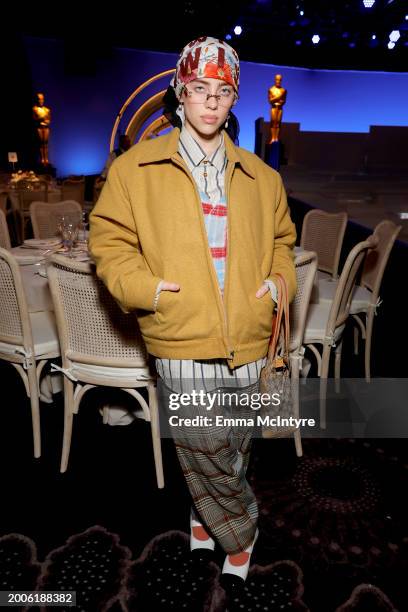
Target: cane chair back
(366, 297)
(45, 216)
(306, 267)
(323, 233)
(374, 265)
(342, 298)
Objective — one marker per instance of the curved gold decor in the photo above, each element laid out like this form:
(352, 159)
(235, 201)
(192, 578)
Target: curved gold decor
(154, 128)
(142, 114)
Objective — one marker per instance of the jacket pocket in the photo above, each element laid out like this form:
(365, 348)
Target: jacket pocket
(263, 309)
(166, 303)
(188, 314)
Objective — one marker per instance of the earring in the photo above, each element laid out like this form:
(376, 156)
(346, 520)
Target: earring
(180, 112)
(226, 123)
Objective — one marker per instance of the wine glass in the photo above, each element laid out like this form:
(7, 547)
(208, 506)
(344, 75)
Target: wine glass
(69, 235)
(61, 221)
(83, 226)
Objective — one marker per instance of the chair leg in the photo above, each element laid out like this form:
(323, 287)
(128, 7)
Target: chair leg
(105, 415)
(316, 353)
(155, 429)
(369, 333)
(324, 371)
(35, 408)
(355, 330)
(337, 364)
(68, 418)
(298, 443)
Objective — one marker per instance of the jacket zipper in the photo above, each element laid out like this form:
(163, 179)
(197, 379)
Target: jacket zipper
(228, 177)
(229, 351)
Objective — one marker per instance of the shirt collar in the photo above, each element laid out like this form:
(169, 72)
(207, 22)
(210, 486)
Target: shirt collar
(166, 148)
(193, 154)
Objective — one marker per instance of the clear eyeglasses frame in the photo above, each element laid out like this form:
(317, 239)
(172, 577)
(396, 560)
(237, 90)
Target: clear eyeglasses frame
(200, 97)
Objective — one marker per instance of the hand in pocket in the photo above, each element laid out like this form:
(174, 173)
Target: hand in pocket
(262, 291)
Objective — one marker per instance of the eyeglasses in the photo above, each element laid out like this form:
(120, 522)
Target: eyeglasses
(199, 95)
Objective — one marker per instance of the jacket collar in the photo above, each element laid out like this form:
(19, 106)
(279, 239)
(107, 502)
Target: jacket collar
(166, 147)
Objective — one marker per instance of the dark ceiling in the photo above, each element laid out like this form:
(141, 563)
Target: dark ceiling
(274, 31)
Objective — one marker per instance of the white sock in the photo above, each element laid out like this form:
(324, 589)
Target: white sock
(199, 537)
(238, 564)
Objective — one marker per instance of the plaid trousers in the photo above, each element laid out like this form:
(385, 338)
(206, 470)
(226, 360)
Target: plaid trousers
(214, 459)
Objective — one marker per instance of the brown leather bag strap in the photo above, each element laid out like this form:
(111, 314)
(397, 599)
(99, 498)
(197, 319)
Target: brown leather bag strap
(281, 317)
(286, 317)
(285, 306)
(276, 323)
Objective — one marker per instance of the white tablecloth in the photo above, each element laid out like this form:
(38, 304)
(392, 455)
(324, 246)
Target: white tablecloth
(36, 288)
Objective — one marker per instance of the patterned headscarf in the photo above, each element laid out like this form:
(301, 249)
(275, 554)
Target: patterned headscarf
(206, 57)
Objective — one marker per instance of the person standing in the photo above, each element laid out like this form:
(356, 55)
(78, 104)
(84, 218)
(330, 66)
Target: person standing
(188, 231)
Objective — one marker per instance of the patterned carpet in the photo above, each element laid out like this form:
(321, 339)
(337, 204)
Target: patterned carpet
(333, 538)
(333, 524)
(105, 577)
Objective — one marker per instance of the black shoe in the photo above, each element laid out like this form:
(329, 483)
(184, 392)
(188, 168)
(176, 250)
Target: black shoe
(231, 584)
(201, 556)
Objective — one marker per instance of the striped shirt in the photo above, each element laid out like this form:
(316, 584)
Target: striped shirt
(182, 375)
(209, 176)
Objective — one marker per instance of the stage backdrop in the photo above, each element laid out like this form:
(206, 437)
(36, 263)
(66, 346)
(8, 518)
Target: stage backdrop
(84, 107)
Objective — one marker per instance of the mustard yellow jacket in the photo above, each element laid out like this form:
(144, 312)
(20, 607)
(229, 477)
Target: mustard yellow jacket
(148, 225)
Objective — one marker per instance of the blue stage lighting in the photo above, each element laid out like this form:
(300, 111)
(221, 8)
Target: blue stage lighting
(368, 3)
(315, 39)
(238, 30)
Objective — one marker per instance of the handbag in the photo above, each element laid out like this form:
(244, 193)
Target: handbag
(275, 379)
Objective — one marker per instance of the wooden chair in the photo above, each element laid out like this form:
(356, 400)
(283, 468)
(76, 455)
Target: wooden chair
(326, 321)
(366, 295)
(100, 346)
(306, 268)
(73, 188)
(27, 340)
(28, 193)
